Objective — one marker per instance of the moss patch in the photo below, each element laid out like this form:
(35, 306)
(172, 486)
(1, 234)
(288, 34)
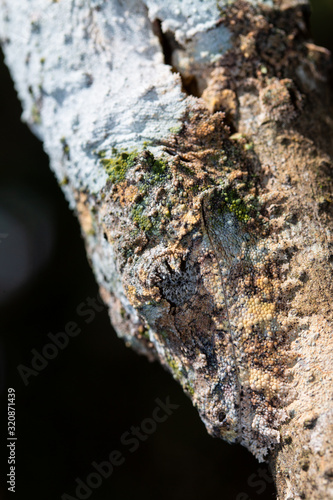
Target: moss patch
(232, 201)
(35, 114)
(117, 166)
(157, 168)
(178, 371)
(234, 204)
(64, 181)
(65, 147)
(142, 220)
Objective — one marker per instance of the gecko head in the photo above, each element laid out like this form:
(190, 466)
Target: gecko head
(225, 427)
(228, 427)
(221, 410)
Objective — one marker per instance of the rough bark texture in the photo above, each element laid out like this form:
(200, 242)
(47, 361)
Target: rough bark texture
(207, 218)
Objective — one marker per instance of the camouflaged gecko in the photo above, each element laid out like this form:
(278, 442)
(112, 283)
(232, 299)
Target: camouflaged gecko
(199, 266)
(248, 310)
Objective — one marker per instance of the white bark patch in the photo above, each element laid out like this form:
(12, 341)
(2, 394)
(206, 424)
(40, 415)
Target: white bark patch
(92, 76)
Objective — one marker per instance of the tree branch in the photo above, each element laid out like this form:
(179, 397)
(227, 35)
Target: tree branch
(204, 193)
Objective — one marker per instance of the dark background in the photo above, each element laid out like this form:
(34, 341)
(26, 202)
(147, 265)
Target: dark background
(75, 410)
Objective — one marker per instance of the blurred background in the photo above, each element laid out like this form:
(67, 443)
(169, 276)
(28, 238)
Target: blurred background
(74, 411)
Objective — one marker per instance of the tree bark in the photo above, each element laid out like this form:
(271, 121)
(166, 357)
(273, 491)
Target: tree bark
(194, 142)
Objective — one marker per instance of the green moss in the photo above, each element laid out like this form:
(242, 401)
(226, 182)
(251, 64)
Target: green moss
(133, 234)
(117, 167)
(233, 203)
(120, 162)
(151, 303)
(187, 170)
(174, 366)
(189, 388)
(153, 171)
(142, 220)
(164, 334)
(35, 114)
(237, 136)
(65, 147)
(64, 181)
(145, 334)
(195, 189)
(175, 130)
(157, 168)
(149, 224)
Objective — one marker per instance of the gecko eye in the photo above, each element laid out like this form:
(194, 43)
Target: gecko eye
(222, 416)
(224, 421)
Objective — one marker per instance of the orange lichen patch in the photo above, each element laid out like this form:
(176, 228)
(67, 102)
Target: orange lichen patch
(143, 275)
(205, 129)
(248, 44)
(202, 131)
(129, 195)
(190, 219)
(220, 100)
(131, 294)
(236, 174)
(124, 193)
(84, 213)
